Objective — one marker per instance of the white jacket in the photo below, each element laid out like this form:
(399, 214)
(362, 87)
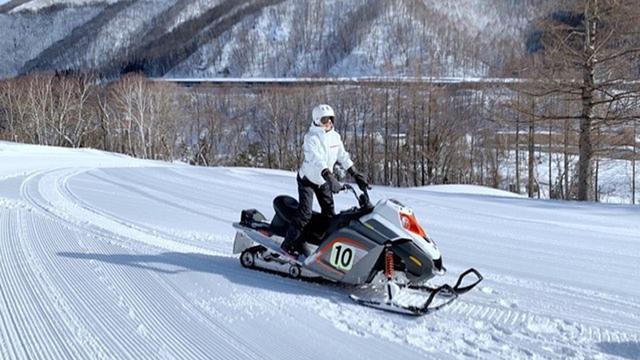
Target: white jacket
(322, 149)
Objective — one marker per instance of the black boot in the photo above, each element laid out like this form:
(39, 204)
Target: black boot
(291, 243)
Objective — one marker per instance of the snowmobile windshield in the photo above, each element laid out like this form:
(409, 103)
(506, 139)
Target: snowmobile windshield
(394, 201)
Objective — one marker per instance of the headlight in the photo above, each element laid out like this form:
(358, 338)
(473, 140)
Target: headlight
(410, 223)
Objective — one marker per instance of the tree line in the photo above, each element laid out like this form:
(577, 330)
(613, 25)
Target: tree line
(399, 134)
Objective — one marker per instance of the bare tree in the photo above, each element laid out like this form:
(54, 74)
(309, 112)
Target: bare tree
(589, 51)
(146, 113)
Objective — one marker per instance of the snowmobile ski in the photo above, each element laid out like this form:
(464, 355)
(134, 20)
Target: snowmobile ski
(411, 299)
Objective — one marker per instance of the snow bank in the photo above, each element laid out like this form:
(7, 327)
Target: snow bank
(469, 190)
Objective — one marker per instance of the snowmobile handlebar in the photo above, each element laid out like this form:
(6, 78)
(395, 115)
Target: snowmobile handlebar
(363, 199)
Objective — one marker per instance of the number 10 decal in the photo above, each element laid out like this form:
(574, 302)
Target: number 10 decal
(342, 256)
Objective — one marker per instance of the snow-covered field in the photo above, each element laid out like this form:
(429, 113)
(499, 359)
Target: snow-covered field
(35, 5)
(104, 256)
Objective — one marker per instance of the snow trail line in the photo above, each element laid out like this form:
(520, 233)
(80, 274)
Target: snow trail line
(139, 298)
(41, 313)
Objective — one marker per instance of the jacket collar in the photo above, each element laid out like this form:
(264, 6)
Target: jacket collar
(319, 130)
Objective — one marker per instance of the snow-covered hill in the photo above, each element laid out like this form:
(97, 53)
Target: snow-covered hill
(37, 5)
(105, 256)
(274, 38)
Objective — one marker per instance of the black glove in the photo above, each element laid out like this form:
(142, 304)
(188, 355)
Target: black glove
(331, 180)
(359, 178)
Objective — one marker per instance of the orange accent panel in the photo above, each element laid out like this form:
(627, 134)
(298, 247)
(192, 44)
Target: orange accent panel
(264, 232)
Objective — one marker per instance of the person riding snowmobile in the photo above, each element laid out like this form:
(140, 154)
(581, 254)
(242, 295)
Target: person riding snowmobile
(322, 147)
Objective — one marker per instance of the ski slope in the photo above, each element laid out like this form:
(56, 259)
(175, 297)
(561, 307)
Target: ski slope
(105, 256)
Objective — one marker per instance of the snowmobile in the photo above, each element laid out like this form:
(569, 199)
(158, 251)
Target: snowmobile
(380, 251)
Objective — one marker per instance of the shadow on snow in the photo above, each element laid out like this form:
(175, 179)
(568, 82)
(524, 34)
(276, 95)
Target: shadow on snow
(171, 263)
(627, 350)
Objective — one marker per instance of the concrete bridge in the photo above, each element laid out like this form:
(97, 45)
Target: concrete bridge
(450, 83)
(454, 83)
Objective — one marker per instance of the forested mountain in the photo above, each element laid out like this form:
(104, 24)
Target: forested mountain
(272, 38)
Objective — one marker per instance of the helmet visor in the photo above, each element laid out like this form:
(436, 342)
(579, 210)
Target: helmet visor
(325, 119)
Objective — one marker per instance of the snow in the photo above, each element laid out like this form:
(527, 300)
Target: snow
(106, 256)
(36, 5)
(192, 10)
(25, 36)
(615, 176)
(470, 190)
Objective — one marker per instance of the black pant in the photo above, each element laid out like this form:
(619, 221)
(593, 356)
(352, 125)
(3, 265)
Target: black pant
(306, 189)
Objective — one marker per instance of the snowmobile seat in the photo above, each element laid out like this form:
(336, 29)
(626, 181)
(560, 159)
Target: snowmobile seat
(285, 208)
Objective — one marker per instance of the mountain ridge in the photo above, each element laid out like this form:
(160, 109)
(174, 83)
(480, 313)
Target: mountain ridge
(275, 38)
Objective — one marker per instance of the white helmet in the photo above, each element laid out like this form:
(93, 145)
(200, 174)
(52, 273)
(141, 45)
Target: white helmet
(321, 111)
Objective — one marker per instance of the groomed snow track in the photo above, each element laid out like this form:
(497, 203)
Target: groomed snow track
(131, 259)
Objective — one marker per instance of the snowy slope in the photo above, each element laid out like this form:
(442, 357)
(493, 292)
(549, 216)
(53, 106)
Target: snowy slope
(36, 5)
(104, 256)
(258, 38)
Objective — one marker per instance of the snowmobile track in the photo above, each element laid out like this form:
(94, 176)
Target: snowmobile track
(513, 318)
